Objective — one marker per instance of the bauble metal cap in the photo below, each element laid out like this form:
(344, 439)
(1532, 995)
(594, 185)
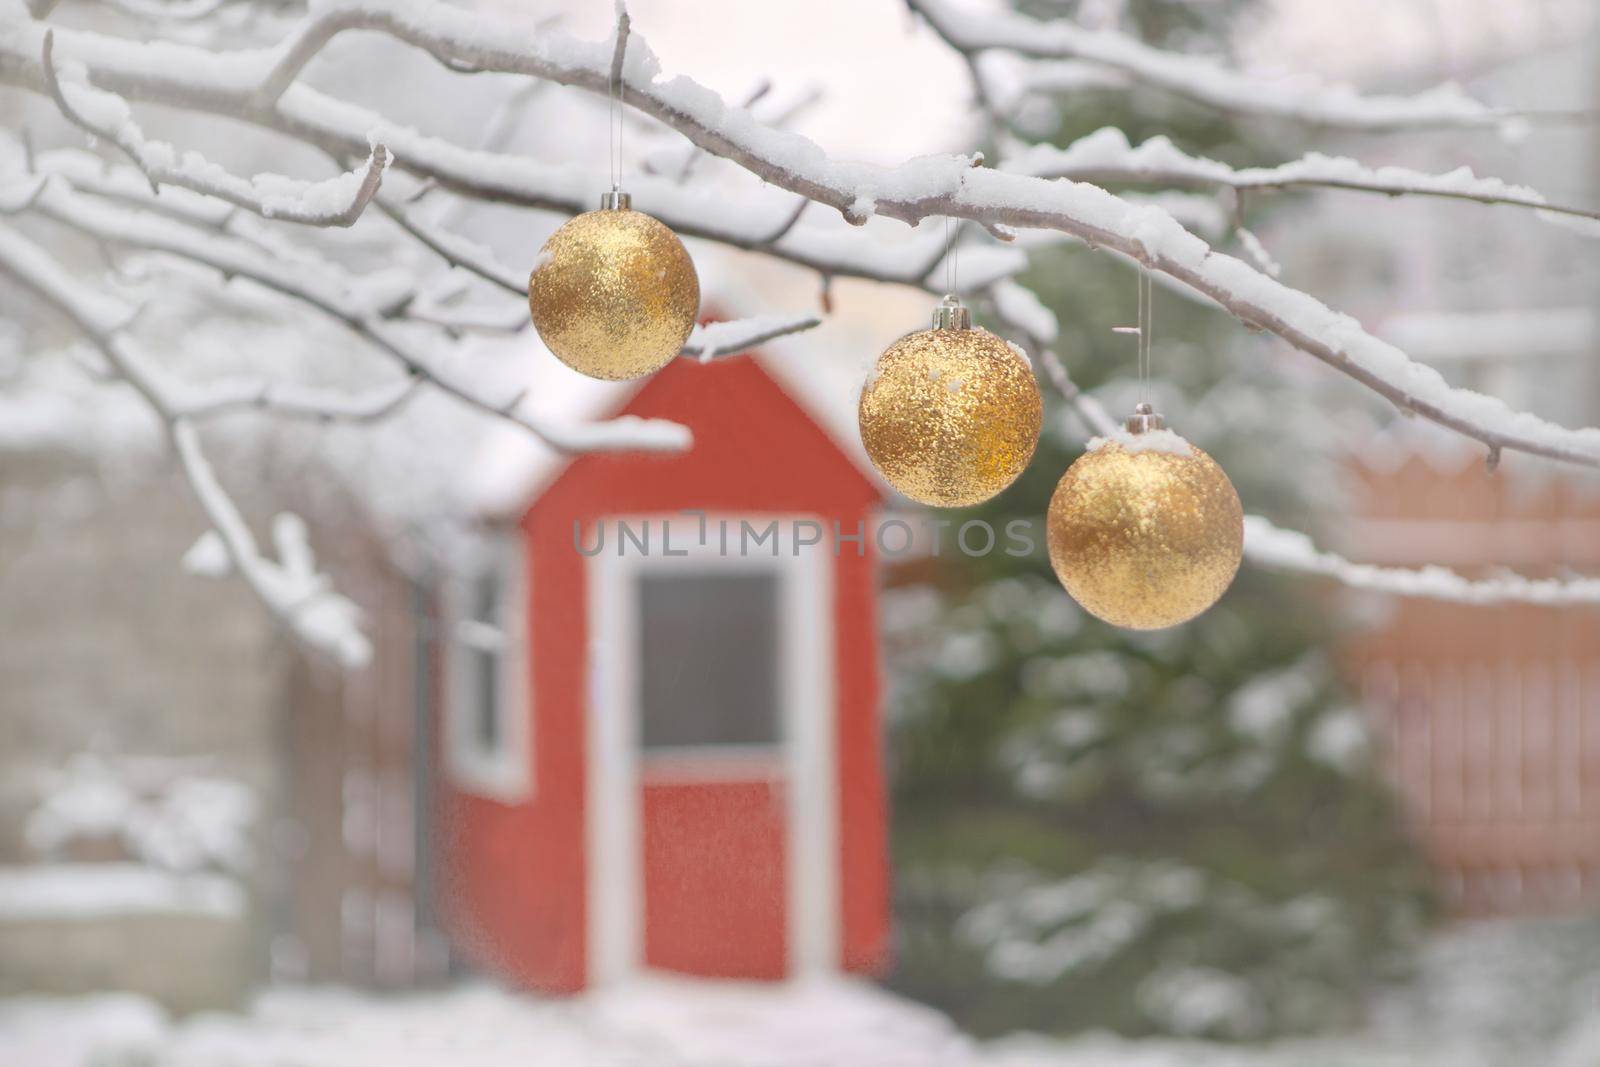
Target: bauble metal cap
(951, 314)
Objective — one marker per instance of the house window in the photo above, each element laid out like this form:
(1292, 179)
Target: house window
(708, 659)
(489, 713)
(484, 640)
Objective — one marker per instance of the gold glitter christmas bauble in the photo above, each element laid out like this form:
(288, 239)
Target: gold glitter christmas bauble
(950, 416)
(1146, 538)
(614, 295)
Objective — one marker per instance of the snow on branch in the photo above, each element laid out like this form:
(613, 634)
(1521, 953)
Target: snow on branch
(454, 249)
(335, 202)
(1106, 156)
(261, 87)
(291, 589)
(717, 339)
(20, 196)
(1021, 309)
(225, 83)
(90, 173)
(931, 186)
(295, 401)
(1004, 84)
(1272, 547)
(1205, 80)
(164, 10)
(332, 295)
(1268, 546)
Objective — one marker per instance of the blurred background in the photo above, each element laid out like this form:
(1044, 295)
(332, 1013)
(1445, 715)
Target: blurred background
(1316, 825)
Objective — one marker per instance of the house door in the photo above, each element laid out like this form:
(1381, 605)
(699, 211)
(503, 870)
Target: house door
(712, 841)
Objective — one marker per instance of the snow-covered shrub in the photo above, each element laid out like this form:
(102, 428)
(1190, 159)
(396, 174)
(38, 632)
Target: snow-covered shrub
(155, 812)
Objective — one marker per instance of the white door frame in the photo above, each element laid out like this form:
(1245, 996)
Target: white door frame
(806, 692)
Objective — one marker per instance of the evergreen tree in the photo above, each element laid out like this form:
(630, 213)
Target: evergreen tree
(1180, 831)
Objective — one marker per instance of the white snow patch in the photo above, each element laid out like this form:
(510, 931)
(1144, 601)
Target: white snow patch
(1258, 252)
(154, 810)
(79, 1031)
(83, 891)
(207, 557)
(1268, 546)
(1488, 993)
(1150, 441)
(1022, 309)
(1107, 156)
(1339, 739)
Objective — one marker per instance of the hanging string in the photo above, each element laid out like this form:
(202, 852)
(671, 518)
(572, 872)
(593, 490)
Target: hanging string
(951, 273)
(614, 115)
(611, 114)
(1145, 320)
(1147, 317)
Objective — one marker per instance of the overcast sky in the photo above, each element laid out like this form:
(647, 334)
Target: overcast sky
(1374, 38)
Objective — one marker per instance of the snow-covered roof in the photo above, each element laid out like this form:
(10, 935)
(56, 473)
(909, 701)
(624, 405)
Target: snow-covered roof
(512, 467)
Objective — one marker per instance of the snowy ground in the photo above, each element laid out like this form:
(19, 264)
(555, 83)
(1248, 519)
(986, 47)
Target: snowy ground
(1490, 996)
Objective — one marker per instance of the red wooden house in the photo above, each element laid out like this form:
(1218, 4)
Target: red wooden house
(666, 753)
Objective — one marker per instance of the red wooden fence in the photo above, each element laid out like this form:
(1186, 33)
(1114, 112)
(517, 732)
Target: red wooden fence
(1488, 717)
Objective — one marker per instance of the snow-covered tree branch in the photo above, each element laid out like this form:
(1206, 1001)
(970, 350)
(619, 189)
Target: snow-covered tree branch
(290, 588)
(1268, 546)
(1106, 157)
(950, 186)
(174, 202)
(1203, 80)
(336, 202)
